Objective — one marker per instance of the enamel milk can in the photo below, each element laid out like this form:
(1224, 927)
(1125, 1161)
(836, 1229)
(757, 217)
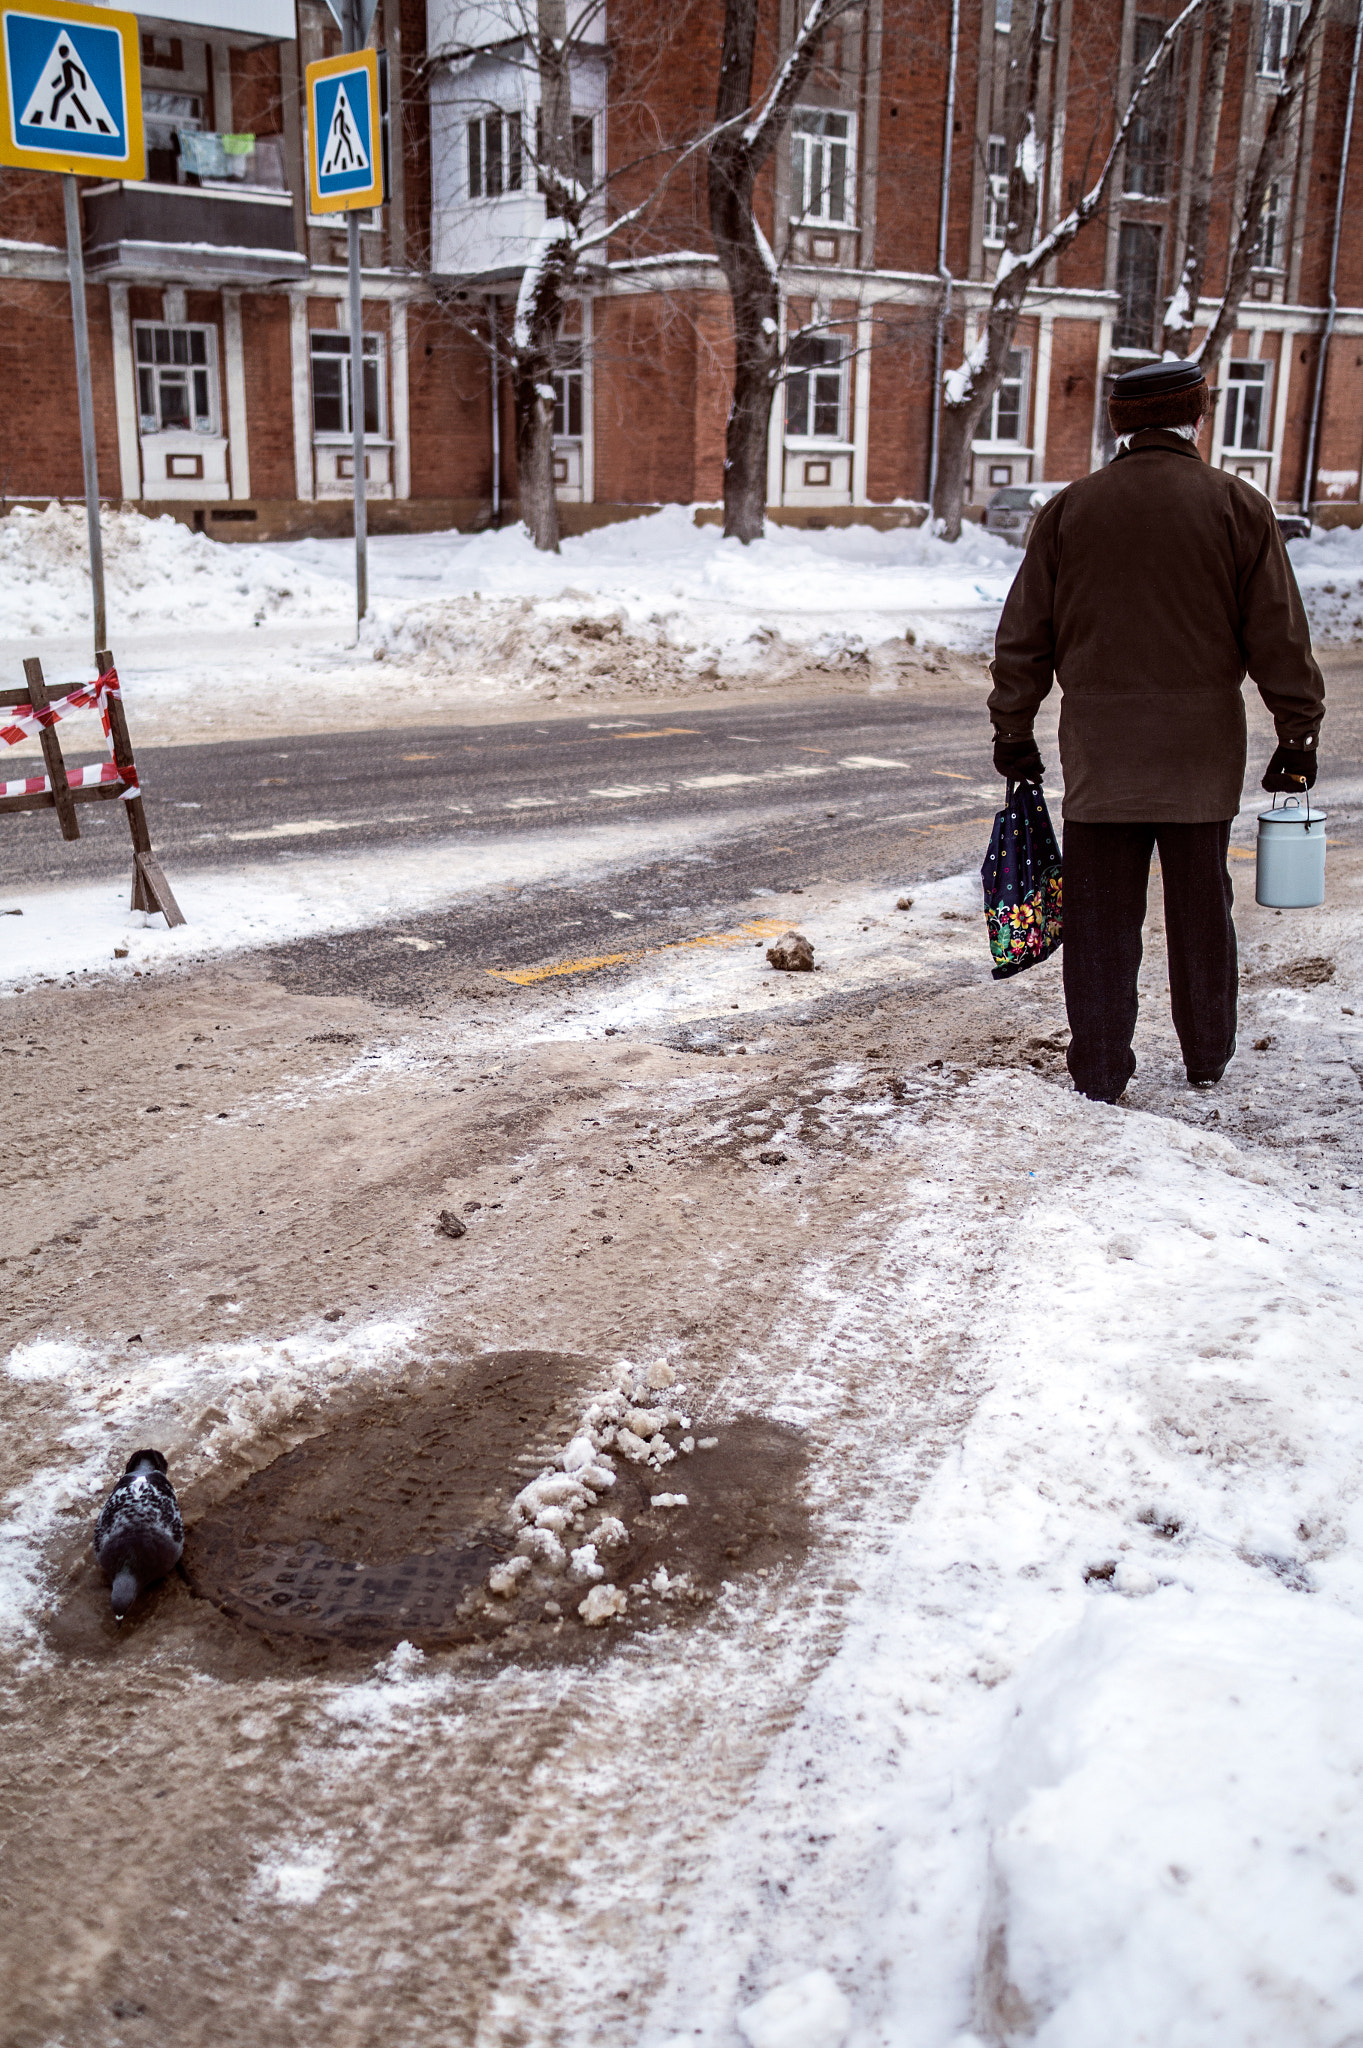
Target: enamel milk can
(1290, 858)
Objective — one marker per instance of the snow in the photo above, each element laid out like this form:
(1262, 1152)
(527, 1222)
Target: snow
(1329, 570)
(460, 619)
(1086, 1765)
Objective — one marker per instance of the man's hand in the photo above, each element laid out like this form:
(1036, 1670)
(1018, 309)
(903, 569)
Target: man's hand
(1018, 759)
(1291, 770)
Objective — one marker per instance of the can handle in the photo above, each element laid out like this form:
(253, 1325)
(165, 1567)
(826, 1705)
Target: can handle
(1296, 802)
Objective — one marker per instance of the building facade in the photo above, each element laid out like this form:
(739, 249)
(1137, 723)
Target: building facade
(218, 308)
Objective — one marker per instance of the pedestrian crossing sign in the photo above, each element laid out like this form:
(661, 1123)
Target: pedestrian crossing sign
(345, 142)
(70, 89)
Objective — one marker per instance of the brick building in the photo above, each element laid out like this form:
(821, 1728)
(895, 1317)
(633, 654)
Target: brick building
(218, 309)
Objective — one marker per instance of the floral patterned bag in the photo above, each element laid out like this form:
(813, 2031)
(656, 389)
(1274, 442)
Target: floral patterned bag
(1022, 882)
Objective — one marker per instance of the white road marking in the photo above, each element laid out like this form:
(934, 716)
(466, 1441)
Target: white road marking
(623, 790)
(529, 803)
(869, 761)
(300, 828)
(729, 781)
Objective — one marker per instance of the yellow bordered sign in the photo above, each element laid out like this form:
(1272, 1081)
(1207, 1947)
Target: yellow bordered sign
(345, 142)
(70, 89)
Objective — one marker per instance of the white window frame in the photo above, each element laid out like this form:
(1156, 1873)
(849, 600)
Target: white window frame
(1282, 24)
(510, 174)
(1020, 382)
(329, 342)
(1272, 219)
(811, 168)
(995, 191)
(1247, 372)
(570, 381)
(815, 375)
(149, 419)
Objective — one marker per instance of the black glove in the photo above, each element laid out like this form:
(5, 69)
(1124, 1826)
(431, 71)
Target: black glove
(1292, 769)
(1018, 759)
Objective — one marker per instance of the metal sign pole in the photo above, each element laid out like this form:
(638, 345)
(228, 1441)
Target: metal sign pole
(75, 263)
(354, 41)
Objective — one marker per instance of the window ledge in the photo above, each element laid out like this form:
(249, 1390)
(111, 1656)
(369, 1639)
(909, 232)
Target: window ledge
(345, 440)
(1001, 448)
(823, 227)
(818, 444)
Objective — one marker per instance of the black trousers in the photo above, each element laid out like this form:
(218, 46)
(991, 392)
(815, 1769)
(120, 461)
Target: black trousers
(1107, 873)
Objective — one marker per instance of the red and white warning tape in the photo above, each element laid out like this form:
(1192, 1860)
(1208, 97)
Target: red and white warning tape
(79, 778)
(22, 721)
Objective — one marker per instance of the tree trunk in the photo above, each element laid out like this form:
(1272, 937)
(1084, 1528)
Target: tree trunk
(743, 142)
(1272, 149)
(752, 284)
(966, 396)
(1181, 311)
(969, 390)
(544, 287)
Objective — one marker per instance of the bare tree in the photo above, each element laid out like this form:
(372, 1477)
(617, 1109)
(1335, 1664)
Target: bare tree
(1181, 311)
(1249, 227)
(968, 390)
(742, 143)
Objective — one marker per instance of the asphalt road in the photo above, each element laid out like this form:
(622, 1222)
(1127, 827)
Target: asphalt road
(211, 805)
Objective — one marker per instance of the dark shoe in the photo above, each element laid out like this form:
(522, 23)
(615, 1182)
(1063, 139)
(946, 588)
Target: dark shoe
(1207, 1080)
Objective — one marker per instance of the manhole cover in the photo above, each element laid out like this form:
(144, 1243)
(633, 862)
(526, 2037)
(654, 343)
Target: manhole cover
(386, 1525)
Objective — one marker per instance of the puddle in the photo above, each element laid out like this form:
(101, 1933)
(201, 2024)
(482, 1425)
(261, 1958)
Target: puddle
(384, 1525)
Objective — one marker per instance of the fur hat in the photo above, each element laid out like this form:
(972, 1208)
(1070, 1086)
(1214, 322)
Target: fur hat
(1168, 394)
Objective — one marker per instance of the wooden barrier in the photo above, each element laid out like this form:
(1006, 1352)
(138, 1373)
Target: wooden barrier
(150, 890)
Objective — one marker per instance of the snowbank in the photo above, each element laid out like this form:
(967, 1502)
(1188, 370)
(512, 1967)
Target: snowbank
(1087, 1764)
(1329, 570)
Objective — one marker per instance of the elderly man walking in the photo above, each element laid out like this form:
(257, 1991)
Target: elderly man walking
(1148, 590)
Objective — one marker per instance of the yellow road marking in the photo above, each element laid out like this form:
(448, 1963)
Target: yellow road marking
(951, 772)
(813, 750)
(421, 757)
(755, 928)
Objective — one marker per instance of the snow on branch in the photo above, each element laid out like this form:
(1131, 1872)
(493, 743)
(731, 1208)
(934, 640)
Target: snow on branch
(1064, 231)
(532, 278)
(791, 73)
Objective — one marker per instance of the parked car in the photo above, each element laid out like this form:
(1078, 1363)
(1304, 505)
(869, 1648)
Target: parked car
(1293, 525)
(1010, 512)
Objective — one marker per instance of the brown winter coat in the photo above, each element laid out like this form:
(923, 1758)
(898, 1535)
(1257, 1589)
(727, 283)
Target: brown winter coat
(1149, 589)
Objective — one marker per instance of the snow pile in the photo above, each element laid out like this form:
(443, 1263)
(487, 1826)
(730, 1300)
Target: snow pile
(680, 593)
(157, 572)
(1087, 1764)
(562, 1529)
(1329, 570)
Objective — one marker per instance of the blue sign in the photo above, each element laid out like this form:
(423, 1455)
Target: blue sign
(344, 143)
(72, 89)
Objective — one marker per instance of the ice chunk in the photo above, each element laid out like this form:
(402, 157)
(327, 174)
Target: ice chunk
(659, 1376)
(669, 1500)
(581, 1451)
(808, 2012)
(505, 1579)
(583, 1564)
(557, 1519)
(544, 1546)
(647, 1422)
(610, 1533)
(634, 1447)
(600, 1604)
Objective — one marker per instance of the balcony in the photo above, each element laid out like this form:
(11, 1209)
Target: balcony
(189, 233)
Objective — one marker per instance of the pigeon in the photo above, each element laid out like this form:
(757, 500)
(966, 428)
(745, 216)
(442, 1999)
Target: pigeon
(139, 1534)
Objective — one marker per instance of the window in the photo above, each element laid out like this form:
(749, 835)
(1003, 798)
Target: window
(1147, 147)
(1008, 414)
(331, 385)
(177, 378)
(494, 155)
(1246, 419)
(1138, 261)
(1003, 13)
(584, 148)
(1282, 19)
(1270, 252)
(568, 396)
(815, 386)
(996, 191)
(821, 165)
(165, 117)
